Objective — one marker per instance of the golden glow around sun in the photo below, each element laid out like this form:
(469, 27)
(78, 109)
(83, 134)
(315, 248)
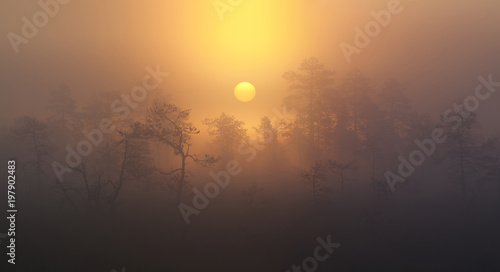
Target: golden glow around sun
(244, 92)
(251, 33)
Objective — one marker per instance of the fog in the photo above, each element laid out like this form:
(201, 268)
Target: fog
(374, 123)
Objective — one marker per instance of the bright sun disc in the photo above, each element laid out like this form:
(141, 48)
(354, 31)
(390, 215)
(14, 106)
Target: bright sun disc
(244, 92)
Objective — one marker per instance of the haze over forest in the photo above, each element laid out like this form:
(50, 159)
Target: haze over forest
(372, 125)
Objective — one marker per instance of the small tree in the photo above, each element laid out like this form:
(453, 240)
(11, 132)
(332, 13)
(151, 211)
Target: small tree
(104, 173)
(397, 109)
(267, 130)
(34, 132)
(306, 88)
(228, 132)
(315, 176)
(63, 108)
(490, 162)
(170, 125)
(461, 150)
(252, 191)
(341, 169)
(354, 92)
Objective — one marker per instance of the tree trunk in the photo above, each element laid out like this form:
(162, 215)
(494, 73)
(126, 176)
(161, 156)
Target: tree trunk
(38, 161)
(311, 120)
(314, 191)
(462, 170)
(120, 178)
(180, 189)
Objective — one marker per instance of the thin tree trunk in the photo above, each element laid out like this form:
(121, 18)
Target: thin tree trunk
(314, 191)
(67, 196)
(462, 170)
(87, 188)
(180, 190)
(311, 120)
(38, 160)
(120, 179)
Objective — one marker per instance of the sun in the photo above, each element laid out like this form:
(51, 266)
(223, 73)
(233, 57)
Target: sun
(244, 92)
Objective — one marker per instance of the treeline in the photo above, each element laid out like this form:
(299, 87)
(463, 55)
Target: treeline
(344, 129)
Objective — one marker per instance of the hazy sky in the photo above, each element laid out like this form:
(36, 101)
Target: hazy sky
(435, 48)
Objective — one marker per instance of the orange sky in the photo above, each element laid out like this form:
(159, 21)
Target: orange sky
(105, 45)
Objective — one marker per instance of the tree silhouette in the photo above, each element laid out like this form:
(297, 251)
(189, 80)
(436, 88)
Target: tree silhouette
(63, 107)
(315, 176)
(34, 132)
(460, 149)
(397, 108)
(267, 134)
(354, 92)
(306, 85)
(490, 162)
(134, 162)
(341, 169)
(228, 132)
(170, 126)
